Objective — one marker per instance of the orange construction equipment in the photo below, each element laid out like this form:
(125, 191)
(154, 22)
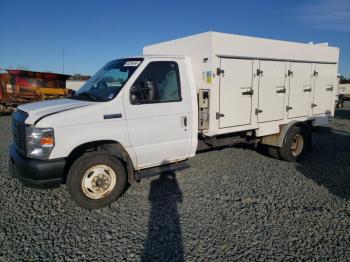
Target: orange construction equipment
(22, 86)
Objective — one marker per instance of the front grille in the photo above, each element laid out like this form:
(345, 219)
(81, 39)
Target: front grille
(18, 130)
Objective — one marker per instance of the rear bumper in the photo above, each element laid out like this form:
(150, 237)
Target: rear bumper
(36, 173)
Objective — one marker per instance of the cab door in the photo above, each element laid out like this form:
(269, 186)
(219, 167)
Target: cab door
(157, 109)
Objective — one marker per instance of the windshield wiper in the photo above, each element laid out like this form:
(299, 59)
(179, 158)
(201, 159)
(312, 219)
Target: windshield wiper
(87, 94)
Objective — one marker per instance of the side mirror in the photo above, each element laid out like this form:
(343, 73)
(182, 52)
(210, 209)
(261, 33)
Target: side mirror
(146, 92)
(134, 94)
(151, 90)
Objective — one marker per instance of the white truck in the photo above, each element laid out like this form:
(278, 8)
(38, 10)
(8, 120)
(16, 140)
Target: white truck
(343, 94)
(141, 115)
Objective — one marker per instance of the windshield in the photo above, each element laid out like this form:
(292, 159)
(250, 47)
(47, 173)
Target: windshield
(108, 81)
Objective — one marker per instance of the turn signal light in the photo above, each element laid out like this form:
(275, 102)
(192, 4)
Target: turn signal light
(47, 141)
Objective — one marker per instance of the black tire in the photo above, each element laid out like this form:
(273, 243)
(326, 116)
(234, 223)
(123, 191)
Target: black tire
(295, 133)
(274, 152)
(78, 171)
(341, 102)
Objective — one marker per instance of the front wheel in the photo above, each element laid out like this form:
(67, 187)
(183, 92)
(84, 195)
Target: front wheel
(96, 180)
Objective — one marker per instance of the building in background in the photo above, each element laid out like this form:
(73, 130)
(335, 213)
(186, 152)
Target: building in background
(76, 81)
(74, 84)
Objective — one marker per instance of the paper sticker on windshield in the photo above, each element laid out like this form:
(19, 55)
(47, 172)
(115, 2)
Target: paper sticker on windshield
(132, 63)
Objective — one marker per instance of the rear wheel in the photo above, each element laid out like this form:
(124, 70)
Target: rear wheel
(96, 180)
(294, 144)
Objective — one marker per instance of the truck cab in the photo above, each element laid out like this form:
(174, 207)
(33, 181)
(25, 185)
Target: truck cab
(133, 114)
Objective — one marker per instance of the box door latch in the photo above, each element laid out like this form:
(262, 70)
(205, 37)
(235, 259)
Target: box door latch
(248, 93)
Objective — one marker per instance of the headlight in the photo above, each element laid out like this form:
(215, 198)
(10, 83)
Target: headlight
(39, 142)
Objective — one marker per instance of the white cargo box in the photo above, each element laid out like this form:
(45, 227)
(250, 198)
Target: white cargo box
(258, 84)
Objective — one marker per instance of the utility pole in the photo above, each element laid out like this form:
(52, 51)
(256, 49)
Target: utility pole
(63, 61)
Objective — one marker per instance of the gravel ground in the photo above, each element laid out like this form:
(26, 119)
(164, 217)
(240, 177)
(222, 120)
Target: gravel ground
(231, 204)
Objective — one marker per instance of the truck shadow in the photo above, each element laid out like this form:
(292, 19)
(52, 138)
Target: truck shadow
(342, 114)
(5, 113)
(164, 239)
(329, 163)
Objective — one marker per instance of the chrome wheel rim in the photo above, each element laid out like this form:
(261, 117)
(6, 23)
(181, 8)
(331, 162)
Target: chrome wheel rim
(297, 145)
(98, 181)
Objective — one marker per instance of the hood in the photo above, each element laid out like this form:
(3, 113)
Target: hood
(39, 110)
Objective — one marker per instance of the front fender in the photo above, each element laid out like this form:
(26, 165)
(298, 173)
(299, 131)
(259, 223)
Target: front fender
(68, 138)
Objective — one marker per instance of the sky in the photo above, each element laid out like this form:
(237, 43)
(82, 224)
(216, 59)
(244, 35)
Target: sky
(33, 34)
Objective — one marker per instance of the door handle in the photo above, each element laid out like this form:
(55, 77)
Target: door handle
(307, 90)
(111, 116)
(184, 121)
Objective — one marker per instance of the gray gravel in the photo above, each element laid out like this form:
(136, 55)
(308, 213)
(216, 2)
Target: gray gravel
(232, 204)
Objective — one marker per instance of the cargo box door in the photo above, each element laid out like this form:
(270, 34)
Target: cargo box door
(324, 89)
(235, 92)
(272, 90)
(299, 100)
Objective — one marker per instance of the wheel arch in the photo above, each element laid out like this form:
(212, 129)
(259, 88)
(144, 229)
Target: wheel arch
(109, 146)
(278, 139)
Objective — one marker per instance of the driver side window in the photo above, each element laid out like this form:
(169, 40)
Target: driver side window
(158, 83)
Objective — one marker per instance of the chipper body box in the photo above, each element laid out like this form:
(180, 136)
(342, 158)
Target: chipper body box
(256, 83)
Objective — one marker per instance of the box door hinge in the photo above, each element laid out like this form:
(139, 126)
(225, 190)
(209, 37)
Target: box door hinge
(330, 88)
(220, 71)
(257, 111)
(218, 115)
